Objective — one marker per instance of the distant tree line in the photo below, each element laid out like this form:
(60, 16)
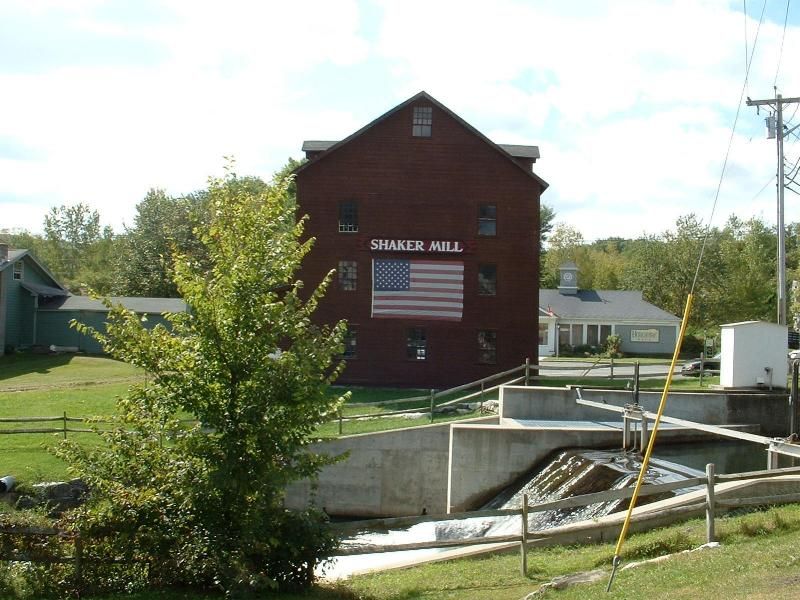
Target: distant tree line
(137, 261)
(736, 280)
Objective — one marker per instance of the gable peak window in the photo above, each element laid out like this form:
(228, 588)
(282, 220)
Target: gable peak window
(18, 267)
(348, 217)
(423, 121)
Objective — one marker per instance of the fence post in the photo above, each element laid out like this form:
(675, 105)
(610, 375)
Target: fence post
(340, 421)
(483, 385)
(523, 545)
(702, 364)
(78, 560)
(432, 403)
(710, 537)
(644, 434)
(527, 372)
(612, 368)
(636, 383)
(65, 424)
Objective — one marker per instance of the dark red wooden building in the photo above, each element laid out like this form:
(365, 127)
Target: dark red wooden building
(434, 232)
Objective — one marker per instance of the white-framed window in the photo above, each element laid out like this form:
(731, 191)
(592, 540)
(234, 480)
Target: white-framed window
(348, 217)
(487, 219)
(19, 267)
(416, 344)
(544, 334)
(423, 121)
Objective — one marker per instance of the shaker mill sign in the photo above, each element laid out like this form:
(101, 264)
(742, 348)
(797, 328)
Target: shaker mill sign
(423, 246)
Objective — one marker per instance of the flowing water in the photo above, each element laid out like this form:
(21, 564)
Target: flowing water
(566, 473)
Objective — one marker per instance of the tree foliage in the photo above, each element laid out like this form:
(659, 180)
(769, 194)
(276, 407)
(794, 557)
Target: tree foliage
(203, 503)
(163, 226)
(77, 250)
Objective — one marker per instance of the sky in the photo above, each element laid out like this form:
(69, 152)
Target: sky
(631, 103)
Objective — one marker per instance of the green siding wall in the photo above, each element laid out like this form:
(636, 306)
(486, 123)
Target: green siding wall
(53, 328)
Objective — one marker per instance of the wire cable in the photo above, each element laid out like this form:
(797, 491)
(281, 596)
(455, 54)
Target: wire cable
(728, 151)
(783, 37)
(651, 443)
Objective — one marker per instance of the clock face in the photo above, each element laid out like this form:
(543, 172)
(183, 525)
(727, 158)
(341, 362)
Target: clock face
(567, 276)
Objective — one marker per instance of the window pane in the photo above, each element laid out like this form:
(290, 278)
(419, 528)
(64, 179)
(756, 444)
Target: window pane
(544, 334)
(487, 347)
(18, 266)
(592, 335)
(348, 275)
(350, 343)
(487, 280)
(563, 335)
(423, 119)
(348, 217)
(577, 335)
(416, 344)
(605, 331)
(487, 219)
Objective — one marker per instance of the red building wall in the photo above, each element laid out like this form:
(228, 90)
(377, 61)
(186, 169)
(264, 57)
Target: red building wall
(426, 188)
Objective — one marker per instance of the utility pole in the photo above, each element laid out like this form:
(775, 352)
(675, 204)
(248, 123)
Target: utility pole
(777, 104)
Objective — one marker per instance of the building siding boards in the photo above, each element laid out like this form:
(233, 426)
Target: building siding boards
(426, 188)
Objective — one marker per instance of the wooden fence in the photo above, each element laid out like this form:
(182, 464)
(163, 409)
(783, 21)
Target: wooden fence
(527, 538)
(524, 374)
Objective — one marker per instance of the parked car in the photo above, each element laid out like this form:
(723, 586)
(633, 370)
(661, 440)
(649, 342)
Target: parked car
(692, 367)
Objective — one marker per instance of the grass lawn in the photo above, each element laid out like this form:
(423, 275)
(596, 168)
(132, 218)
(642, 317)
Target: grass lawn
(86, 386)
(758, 559)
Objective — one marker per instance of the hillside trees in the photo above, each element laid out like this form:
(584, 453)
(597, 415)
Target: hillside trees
(77, 249)
(162, 227)
(203, 504)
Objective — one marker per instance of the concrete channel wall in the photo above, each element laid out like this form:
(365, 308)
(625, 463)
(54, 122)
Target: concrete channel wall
(430, 469)
(769, 410)
(386, 474)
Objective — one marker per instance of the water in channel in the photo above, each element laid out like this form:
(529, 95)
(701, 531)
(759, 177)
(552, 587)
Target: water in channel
(564, 474)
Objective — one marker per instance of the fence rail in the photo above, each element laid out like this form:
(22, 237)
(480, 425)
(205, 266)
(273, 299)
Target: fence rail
(527, 538)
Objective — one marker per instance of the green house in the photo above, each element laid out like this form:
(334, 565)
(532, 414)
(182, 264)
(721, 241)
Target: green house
(36, 310)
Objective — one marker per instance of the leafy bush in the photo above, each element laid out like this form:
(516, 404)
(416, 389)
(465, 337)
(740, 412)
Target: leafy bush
(202, 506)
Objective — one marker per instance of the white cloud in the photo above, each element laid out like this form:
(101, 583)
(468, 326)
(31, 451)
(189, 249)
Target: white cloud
(630, 102)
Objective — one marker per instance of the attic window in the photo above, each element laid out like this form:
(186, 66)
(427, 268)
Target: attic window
(18, 266)
(423, 119)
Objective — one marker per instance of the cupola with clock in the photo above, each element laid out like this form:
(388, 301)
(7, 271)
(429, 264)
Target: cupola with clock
(568, 278)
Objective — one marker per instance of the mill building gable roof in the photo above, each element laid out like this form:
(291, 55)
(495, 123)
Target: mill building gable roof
(510, 151)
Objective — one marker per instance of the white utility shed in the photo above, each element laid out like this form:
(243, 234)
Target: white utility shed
(754, 355)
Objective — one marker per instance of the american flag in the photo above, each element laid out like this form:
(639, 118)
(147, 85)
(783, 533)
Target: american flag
(419, 289)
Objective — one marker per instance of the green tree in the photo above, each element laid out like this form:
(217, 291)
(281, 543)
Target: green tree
(70, 233)
(664, 267)
(163, 226)
(204, 504)
(748, 254)
(565, 244)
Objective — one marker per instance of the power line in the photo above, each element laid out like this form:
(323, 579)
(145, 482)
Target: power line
(730, 144)
(783, 37)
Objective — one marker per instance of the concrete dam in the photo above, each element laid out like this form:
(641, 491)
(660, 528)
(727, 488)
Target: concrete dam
(457, 467)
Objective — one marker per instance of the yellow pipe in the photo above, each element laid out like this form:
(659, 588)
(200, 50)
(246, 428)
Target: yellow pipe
(652, 441)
